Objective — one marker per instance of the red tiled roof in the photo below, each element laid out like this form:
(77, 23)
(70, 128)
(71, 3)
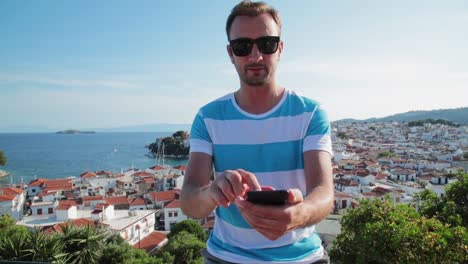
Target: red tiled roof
(68, 202)
(381, 191)
(93, 198)
(59, 184)
(117, 200)
(158, 167)
(10, 191)
(88, 174)
(101, 206)
(138, 201)
(173, 204)
(63, 207)
(165, 195)
(143, 174)
(149, 179)
(180, 167)
(6, 197)
(342, 194)
(37, 182)
(151, 241)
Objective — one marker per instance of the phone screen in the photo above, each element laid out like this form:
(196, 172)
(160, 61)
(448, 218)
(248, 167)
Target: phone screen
(275, 197)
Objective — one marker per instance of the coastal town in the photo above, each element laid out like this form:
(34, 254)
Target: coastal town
(387, 160)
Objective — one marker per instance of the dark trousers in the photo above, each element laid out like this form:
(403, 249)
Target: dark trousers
(210, 259)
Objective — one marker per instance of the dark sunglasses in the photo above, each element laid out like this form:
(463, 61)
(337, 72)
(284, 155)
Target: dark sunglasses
(243, 46)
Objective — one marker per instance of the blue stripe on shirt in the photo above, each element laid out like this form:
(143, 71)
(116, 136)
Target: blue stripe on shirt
(299, 250)
(281, 156)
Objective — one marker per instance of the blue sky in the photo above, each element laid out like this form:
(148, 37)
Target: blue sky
(98, 64)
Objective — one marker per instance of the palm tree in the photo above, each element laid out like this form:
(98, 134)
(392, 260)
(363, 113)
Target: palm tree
(14, 246)
(45, 247)
(83, 244)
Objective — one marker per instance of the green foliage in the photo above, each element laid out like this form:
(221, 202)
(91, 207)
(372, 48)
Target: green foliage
(84, 245)
(190, 226)
(396, 234)
(172, 145)
(185, 248)
(386, 154)
(342, 135)
(3, 159)
(432, 121)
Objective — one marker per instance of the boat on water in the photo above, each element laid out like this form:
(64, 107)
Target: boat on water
(4, 173)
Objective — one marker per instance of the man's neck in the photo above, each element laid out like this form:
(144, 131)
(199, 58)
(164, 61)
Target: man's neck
(258, 99)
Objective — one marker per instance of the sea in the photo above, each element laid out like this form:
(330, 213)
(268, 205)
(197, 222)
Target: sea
(53, 156)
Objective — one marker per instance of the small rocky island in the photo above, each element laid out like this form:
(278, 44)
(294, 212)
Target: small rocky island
(74, 131)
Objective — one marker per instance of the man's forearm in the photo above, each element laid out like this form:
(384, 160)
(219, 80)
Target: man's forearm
(196, 202)
(317, 205)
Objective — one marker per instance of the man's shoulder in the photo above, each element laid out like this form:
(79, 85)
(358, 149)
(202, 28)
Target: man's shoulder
(302, 101)
(215, 105)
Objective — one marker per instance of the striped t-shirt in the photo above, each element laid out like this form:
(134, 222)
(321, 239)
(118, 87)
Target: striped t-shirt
(271, 146)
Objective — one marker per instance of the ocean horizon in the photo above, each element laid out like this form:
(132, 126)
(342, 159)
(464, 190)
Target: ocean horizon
(52, 156)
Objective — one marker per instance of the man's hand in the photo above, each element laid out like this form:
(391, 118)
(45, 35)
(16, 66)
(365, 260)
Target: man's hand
(274, 221)
(231, 184)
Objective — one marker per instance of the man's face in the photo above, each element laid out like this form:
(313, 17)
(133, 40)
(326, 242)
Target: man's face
(256, 68)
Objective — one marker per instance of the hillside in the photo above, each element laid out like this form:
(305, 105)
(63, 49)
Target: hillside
(457, 115)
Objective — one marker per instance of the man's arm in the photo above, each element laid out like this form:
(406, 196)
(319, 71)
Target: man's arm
(195, 198)
(200, 196)
(275, 221)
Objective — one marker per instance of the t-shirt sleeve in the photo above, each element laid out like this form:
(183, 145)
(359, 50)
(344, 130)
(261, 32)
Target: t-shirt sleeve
(318, 132)
(200, 140)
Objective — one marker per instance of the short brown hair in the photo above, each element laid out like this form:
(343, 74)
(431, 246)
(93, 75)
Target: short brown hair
(252, 9)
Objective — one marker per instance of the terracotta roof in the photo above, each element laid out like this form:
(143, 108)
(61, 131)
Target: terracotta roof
(180, 167)
(151, 241)
(88, 174)
(165, 195)
(149, 179)
(138, 201)
(158, 167)
(369, 194)
(101, 206)
(362, 173)
(10, 191)
(173, 204)
(6, 197)
(346, 182)
(342, 194)
(93, 198)
(58, 184)
(143, 174)
(63, 207)
(68, 202)
(381, 191)
(37, 182)
(117, 200)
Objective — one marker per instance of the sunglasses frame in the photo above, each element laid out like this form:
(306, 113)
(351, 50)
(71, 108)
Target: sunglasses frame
(258, 42)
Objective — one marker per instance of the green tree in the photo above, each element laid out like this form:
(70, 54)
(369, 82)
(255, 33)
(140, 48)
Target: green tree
(386, 154)
(116, 250)
(83, 244)
(3, 159)
(190, 226)
(396, 234)
(185, 247)
(45, 247)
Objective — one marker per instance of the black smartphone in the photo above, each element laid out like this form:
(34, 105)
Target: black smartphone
(275, 197)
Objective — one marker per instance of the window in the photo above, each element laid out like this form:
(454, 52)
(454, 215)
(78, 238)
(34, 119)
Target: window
(51, 210)
(175, 214)
(170, 214)
(39, 211)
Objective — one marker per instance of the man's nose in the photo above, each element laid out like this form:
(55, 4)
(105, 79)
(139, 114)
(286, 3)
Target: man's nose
(255, 55)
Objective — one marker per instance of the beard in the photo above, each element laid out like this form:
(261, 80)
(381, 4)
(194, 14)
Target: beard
(255, 78)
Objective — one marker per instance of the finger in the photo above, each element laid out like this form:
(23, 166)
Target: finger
(235, 179)
(295, 196)
(218, 196)
(250, 179)
(268, 188)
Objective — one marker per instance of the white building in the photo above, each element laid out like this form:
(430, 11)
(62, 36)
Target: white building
(12, 202)
(173, 215)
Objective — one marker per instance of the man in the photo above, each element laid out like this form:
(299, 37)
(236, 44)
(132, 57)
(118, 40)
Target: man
(261, 135)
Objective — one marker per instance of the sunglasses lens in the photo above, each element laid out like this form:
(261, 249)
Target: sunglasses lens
(268, 45)
(241, 47)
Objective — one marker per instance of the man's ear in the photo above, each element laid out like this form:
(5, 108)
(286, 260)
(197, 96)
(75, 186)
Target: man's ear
(229, 51)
